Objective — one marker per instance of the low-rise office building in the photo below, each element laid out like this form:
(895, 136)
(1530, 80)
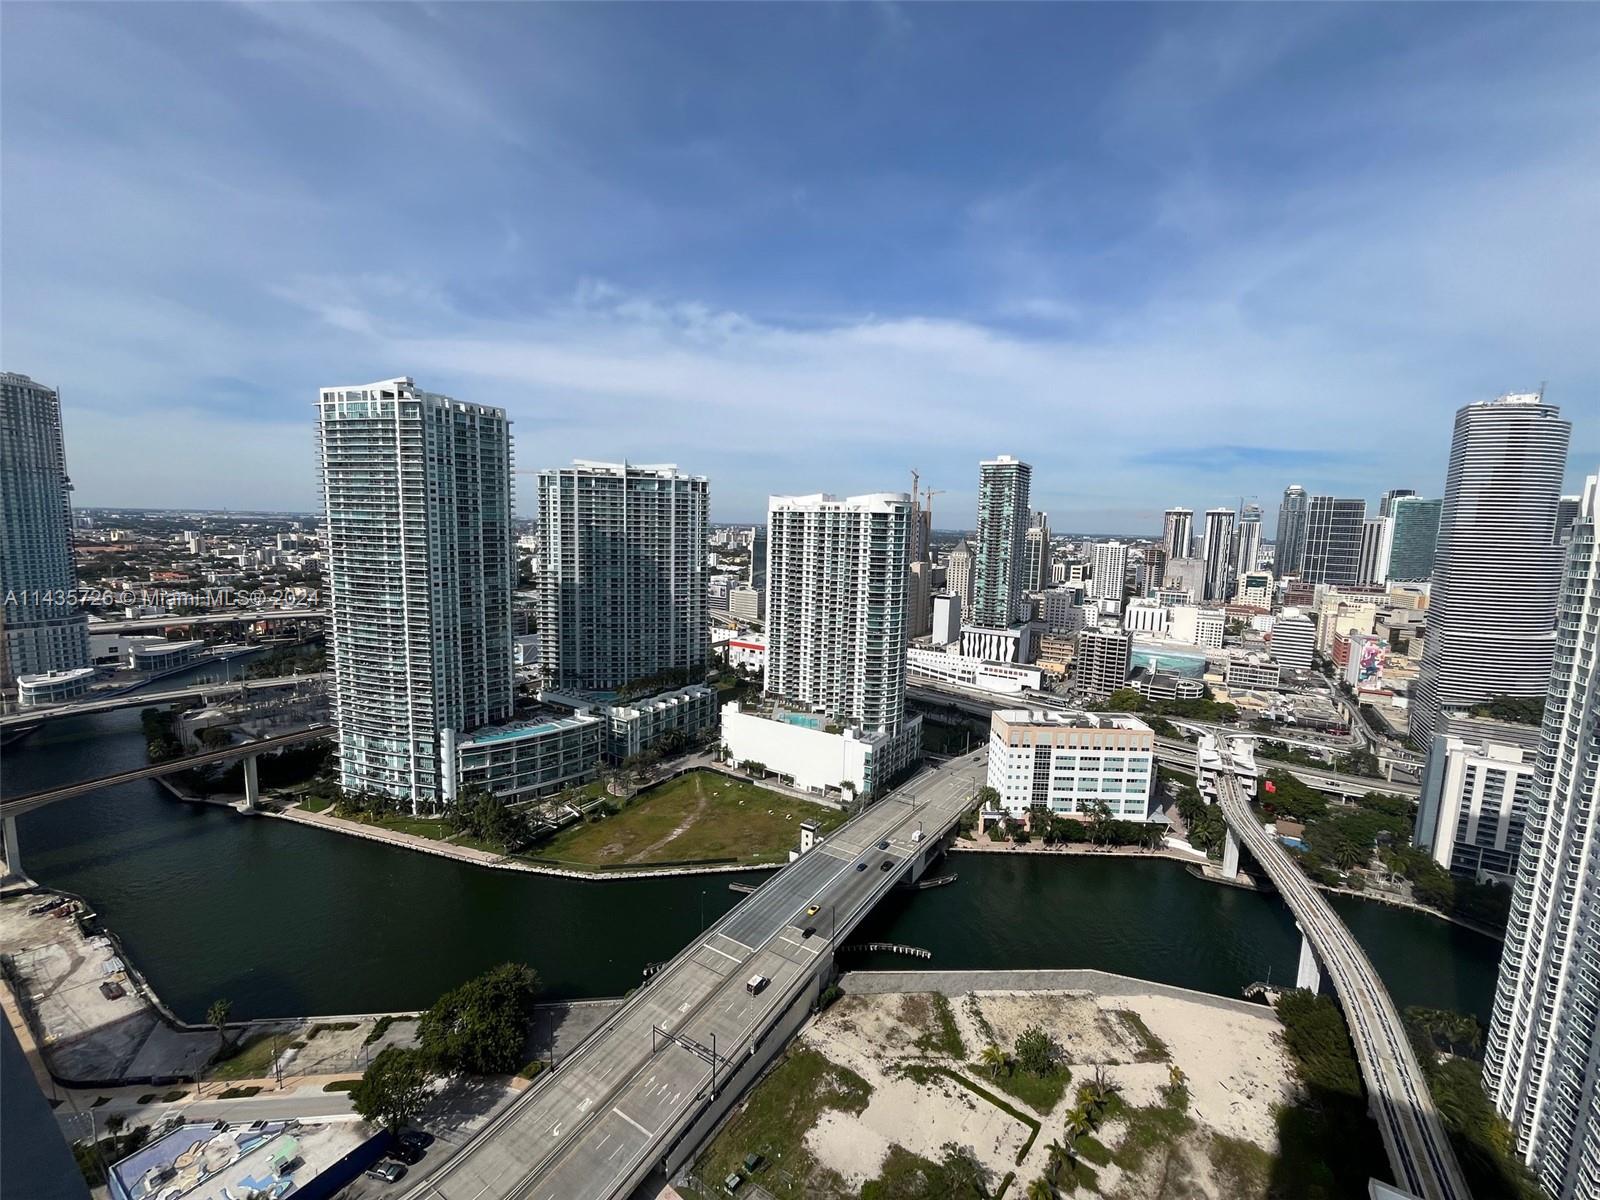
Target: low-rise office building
(1070, 762)
(1254, 672)
(53, 687)
(747, 651)
(158, 654)
(965, 671)
(746, 603)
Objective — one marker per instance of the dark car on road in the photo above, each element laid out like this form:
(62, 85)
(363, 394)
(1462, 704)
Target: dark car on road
(861, 866)
(883, 845)
(887, 863)
(405, 1152)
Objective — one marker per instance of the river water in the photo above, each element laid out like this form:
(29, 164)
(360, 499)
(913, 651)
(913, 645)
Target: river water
(285, 920)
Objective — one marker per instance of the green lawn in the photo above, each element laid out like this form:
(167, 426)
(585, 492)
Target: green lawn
(251, 1059)
(776, 1117)
(700, 816)
(1039, 1092)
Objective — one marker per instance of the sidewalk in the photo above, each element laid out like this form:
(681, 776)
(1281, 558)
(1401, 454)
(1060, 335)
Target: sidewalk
(1075, 848)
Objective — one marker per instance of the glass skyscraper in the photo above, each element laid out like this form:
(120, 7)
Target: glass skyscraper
(1290, 546)
(1413, 538)
(41, 626)
(1003, 516)
(1332, 547)
(622, 597)
(417, 501)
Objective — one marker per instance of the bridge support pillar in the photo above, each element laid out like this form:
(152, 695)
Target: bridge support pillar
(1309, 974)
(252, 784)
(13, 846)
(1230, 853)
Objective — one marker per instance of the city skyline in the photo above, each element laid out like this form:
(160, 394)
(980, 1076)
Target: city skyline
(869, 299)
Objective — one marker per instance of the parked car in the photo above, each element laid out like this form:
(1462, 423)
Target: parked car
(732, 1182)
(386, 1172)
(421, 1139)
(406, 1153)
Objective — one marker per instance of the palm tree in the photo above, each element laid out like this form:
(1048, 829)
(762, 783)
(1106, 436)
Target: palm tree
(1077, 1122)
(1102, 1087)
(217, 1015)
(994, 1058)
(1041, 1189)
(1058, 1155)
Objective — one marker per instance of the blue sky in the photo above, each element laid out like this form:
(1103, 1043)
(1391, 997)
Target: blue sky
(1169, 255)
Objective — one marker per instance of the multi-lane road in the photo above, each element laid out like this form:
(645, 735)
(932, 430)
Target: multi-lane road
(138, 699)
(596, 1127)
(1181, 755)
(175, 620)
(1419, 1150)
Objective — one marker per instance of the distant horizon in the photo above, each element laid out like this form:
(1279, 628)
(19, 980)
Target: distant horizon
(1166, 254)
(310, 514)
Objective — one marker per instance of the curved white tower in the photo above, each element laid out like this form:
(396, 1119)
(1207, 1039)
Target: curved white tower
(1497, 566)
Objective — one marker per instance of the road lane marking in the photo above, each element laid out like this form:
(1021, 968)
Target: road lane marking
(631, 1121)
(724, 953)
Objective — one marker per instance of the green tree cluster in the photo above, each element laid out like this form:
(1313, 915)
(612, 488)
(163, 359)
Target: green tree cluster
(481, 1026)
(485, 817)
(160, 734)
(1333, 1112)
(1447, 1045)
(1207, 829)
(393, 1088)
(1522, 710)
(1099, 829)
(1038, 1052)
(1130, 700)
(660, 681)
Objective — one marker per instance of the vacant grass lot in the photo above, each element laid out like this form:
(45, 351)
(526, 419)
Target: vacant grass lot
(774, 1119)
(695, 817)
(250, 1059)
